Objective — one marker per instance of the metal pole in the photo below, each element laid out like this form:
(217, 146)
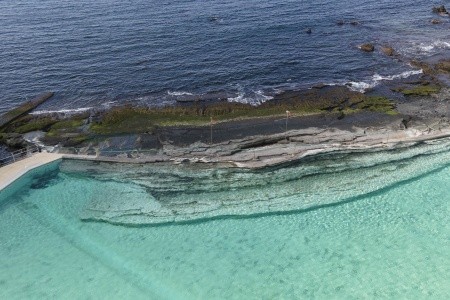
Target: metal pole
(211, 125)
(287, 117)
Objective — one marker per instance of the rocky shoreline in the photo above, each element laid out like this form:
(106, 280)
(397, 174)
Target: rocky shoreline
(258, 143)
(209, 128)
(294, 124)
(185, 162)
(260, 151)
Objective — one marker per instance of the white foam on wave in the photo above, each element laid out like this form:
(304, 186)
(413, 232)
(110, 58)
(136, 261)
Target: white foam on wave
(263, 97)
(62, 111)
(109, 104)
(360, 86)
(181, 93)
(257, 98)
(422, 47)
(405, 74)
(74, 111)
(377, 78)
(239, 98)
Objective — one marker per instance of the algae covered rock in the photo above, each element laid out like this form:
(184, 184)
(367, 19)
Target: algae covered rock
(436, 21)
(421, 90)
(13, 140)
(443, 65)
(389, 51)
(24, 108)
(367, 47)
(440, 10)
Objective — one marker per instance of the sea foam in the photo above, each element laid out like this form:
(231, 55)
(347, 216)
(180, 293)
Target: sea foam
(62, 111)
(376, 79)
(253, 98)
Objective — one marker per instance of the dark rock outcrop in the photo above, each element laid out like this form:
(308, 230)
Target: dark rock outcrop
(433, 69)
(436, 21)
(14, 141)
(368, 47)
(214, 18)
(24, 109)
(389, 51)
(319, 85)
(443, 65)
(440, 10)
(343, 22)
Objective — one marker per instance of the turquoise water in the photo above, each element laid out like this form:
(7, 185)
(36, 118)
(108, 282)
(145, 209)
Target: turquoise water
(393, 242)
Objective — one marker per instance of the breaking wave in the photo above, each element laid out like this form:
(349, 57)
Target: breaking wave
(62, 111)
(427, 48)
(253, 98)
(362, 86)
(179, 93)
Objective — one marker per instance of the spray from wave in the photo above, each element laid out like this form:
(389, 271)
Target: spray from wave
(253, 98)
(181, 93)
(436, 45)
(62, 111)
(74, 111)
(362, 86)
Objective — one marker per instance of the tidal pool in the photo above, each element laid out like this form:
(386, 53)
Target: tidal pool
(346, 225)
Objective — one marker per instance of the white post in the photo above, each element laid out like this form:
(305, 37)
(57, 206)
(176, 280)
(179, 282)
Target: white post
(288, 113)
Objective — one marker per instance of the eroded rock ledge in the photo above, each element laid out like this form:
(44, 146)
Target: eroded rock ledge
(130, 194)
(261, 151)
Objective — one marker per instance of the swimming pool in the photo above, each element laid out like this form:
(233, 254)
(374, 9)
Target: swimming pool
(359, 225)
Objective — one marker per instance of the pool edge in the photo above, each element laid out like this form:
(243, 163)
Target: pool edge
(12, 172)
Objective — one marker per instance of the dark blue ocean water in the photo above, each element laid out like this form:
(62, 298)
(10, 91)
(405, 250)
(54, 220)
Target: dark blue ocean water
(91, 53)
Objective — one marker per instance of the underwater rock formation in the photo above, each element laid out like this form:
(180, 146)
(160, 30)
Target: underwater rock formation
(162, 193)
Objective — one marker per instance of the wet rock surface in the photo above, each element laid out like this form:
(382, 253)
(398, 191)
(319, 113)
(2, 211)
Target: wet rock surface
(26, 107)
(4, 152)
(368, 47)
(440, 10)
(443, 65)
(436, 21)
(389, 51)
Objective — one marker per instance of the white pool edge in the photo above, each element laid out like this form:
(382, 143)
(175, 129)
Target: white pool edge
(12, 172)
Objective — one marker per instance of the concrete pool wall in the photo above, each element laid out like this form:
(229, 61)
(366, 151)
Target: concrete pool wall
(12, 172)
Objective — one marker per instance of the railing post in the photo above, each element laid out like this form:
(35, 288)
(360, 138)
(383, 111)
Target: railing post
(18, 155)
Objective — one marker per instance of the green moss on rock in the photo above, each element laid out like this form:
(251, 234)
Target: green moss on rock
(137, 120)
(23, 109)
(76, 140)
(443, 65)
(377, 104)
(67, 132)
(3, 138)
(125, 120)
(69, 124)
(34, 125)
(422, 90)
